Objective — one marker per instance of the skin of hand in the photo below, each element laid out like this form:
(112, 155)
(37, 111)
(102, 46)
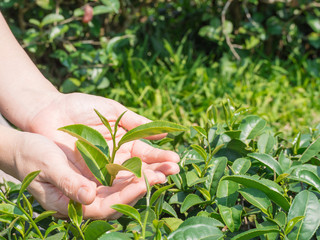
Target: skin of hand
(78, 108)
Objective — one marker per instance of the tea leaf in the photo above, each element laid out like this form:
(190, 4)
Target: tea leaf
(150, 129)
(96, 228)
(104, 121)
(304, 204)
(95, 160)
(231, 216)
(200, 150)
(292, 223)
(241, 165)
(252, 233)
(189, 201)
(268, 161)
(88, 135)
(44, 215)
(129, 211)
(11, 210)
(201, 131)
(251, 126)
(26, 182)
(214, 173)
(227, 193)
(201, 220)
(197, 231)
(271, 189)
(157, 193)
(308, 177)
(75, 212)
(311, 151)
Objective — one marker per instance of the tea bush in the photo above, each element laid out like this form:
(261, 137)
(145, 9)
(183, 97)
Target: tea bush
(243, 76)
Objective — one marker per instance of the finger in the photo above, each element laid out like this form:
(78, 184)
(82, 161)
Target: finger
(167, 168)
(127, 193)
(150, 154)
(71, 183)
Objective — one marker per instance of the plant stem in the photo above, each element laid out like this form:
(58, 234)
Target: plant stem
(34, 225)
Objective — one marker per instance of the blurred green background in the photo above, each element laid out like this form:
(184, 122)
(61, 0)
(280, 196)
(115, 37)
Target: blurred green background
(171, 60)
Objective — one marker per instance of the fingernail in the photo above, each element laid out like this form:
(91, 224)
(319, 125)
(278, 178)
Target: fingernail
(82, 194)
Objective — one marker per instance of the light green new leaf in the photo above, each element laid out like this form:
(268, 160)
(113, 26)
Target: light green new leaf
(202, 220)
(88, 135)
(270, 188)
(200, 150)
(75, 212)
(200, 130)
(113, 4)
(12, 210)
(96, 228)
(197, 231)
(150, 129)
(241, 165)
(129, 211)
(95, 160)
(304, 204)
(26, 182)
(284, 162)
(292, 223)
(157, 193)
(190, 201)
(267, 160)
(51, 18)
(44, 215)
(252, 233)
(132, 165)
(251, 126)
(311, 151)
(257, 198)
(231, 216)
(104, 121)
(172, 223)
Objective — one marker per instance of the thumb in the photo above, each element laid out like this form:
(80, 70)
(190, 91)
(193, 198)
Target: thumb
(72, 184)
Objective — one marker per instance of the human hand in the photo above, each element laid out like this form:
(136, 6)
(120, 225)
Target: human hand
(60, 180)
(78, 109)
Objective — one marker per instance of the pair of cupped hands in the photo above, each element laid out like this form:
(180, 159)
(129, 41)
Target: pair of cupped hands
(64, 174)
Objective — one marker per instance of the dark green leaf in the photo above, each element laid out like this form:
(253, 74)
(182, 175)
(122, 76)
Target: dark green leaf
(96, 228)
(311, 151)
(266, 143)
(168, 209)
(202, 220)
(190, 201)
(252, 233)
(241, 165)
(227, 193)
(284, 162)
(231, 216)
(308, 177)
(304, 204)
(197, 231)
(150, 129)
(257, 198)
(251, 126)
(271, 189)
(214, 173)
(268, 161)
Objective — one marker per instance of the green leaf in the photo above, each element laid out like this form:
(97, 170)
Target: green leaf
(284, 162)
(132, 165)
(11, 210)
(75, 212)
(252, 233)
(314, 23)
(197, 231)
(150, 129)
(308, 177)
(95, 160)
(51, 18)
(241, 165)
(26, 182)
(251, 126)
(193, 179)
(44, 215)
(113, 4)
(266, 143)
(115, 236)
(96, 228)
(304, 204)
(258, 199)
(214, 173)
(166, 207)
(200, 150)
(268, 161)
(129, 211)
(201, 131)
(172, 223)
(292, 223)
(157, 193)
(101, 9)
(271, 189)
(88, 135)
(227, 193)
(202, 220)
(57, 236)
(311, 151)
(231, 216)
(190, 201)
(104, 121)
